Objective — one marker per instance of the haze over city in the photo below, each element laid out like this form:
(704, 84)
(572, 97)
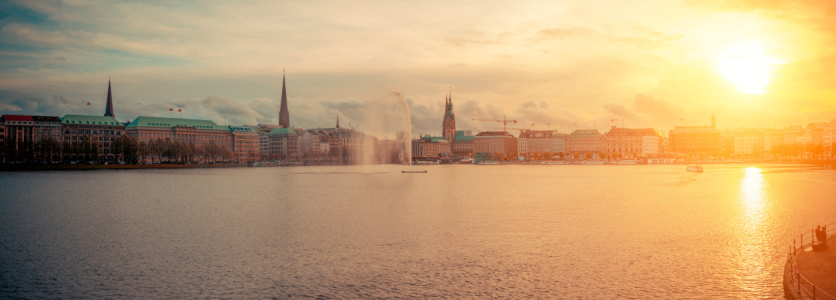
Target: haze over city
(576, 64)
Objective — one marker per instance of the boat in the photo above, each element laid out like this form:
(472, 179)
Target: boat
(555, 163)
(592, 162)
(416, 171)
(489, 163)
(693, 168)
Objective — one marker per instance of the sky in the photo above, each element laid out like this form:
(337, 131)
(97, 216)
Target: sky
(559, 65)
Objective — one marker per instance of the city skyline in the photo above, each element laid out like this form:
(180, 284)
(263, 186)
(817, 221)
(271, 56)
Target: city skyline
(657, 65)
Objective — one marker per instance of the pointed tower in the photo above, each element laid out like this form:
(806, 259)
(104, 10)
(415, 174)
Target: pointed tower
(713, 121)
(449, 124)
(284, 115)
(109, 107)
(338, 122)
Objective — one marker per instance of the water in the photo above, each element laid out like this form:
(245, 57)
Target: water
(459, 231)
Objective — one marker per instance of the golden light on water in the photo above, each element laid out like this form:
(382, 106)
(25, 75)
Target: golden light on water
(752, 193)
(748, 66)
(751, 260)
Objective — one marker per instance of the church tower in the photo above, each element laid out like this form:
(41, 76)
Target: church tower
(713, 121)
(338, 122)
(284, 115)
(449, 124)
(109, 107)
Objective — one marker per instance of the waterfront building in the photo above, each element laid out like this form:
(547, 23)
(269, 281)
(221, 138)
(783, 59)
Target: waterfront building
(749, 142)
(727, 142)
(284, 114)
(460, 141)
(29, 138)
(772, 140)
(586, 143)
(630, 143)
(814, 133)
(462, 145)
(497, 145)
(696, 141)
(284, 144)
(558, 141)
(535, 144)
(197, 134)
(245, 143)
(430, 147)
(828, 138)
(99, 131)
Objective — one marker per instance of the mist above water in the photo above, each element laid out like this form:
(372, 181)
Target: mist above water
(388, 120)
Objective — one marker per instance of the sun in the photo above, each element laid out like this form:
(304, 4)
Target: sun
(747, 66)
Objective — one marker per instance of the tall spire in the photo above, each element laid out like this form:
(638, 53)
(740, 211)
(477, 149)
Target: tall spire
(713, 121)
(109, 107)
(284, 115)
(338, 122)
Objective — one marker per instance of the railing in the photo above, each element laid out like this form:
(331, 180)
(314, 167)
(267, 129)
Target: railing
(803, 286)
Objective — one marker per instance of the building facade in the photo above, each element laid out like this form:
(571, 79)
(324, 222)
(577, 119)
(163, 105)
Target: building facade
(498, 145)
(630, 143)
(586, 143)
(245, 144)
(199, 135)
(100, 131)
(31, 138)
(535, 144)
(749, 142)
(428, 147)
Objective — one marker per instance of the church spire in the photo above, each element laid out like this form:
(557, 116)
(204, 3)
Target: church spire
(713, 121)
(109, 107)
(284, 115)
(338, 122)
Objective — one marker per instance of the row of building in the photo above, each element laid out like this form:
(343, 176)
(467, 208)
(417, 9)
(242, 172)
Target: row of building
(21, 137)
(693, 142)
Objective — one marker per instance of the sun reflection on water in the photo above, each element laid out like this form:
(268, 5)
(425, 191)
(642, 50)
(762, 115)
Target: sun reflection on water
(753, 248)
(752, 194)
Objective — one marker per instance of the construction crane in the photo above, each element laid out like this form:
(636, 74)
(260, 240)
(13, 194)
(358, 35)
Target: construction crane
(504, 121)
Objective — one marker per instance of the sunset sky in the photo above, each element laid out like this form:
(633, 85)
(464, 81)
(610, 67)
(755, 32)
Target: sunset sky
(553, 64)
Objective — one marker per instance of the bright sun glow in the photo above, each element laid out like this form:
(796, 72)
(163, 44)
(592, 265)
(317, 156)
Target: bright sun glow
(747, 66)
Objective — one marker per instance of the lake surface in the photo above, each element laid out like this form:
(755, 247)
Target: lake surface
(458, 231)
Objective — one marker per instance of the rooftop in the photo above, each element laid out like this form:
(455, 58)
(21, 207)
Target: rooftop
(90, 120)
(586, 132)
(174, 122)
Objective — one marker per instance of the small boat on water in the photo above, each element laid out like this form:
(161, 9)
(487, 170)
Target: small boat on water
(489, 163)
(592, 162)
(552, 162)
(416, 171)
(693, 168)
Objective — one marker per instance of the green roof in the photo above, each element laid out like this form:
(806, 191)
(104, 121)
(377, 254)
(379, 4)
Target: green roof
(89, 120)
(461, 136)
(283, 131)
(173, 122)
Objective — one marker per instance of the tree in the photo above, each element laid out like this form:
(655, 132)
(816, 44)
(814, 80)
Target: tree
(143, 150)
(84, 149)
(118, 145)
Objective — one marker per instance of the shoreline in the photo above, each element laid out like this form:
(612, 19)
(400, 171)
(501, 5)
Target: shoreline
(47, 167)
(53, 167)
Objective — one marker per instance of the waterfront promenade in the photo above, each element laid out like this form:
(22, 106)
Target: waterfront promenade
(816, 278)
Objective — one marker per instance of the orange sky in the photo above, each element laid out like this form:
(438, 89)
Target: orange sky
(554, 65)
